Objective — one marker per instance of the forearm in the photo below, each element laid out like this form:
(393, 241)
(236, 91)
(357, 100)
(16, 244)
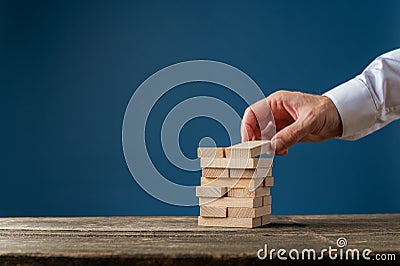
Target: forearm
(371, 100)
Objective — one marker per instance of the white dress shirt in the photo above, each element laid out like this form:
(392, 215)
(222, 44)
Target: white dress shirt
(371, 100)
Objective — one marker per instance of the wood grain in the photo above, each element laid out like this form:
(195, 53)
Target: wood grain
(240, 212)
(217, 152)
(232, 202)
(267, 200)
(180, 241)
(208, 211)
(236, 182)
(230, 222)
(215, 172)
(249, 193)
(269, 182)
(249, 149)
(250, 173)
(265, 219)
(211, 192)
(238, 163)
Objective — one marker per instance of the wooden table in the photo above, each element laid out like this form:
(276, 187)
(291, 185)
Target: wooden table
(179, 241)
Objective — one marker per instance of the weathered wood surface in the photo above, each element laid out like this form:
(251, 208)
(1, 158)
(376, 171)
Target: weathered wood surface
(178, 240)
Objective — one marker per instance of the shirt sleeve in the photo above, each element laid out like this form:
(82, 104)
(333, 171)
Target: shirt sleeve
(371, 100)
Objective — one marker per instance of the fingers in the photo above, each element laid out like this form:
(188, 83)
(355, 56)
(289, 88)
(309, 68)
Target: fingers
(282, 153)
(249, 123)
(296, 116)
(256, 122)
(288, 136)
(246, 131)
(269, 131)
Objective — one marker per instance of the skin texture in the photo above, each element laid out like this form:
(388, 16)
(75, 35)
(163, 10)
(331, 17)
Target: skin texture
(299, 117)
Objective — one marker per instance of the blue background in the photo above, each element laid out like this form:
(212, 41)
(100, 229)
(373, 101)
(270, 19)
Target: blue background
(69, 68)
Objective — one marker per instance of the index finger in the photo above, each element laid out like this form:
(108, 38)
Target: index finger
(249, 123)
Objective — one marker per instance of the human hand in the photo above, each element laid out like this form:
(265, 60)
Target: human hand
(299, 117)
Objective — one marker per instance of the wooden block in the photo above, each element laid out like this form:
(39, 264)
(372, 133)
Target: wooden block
(231, 202)
(215, 172)
(250, 173)
(230, 222)
(248, 193)
(269, 182)
(204, 152)
(265, 219)
(239, 212)
(208, 211)
(234, 182)
(211, 192)
(249, 149)
(267, 200)
(238, 163)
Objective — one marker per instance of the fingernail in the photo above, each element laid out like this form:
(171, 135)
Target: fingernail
(277, 144)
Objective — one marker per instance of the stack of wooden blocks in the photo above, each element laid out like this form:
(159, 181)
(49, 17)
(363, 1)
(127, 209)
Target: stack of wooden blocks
(235, 186)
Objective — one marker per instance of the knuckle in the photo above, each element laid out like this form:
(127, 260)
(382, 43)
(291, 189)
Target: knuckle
(280, 94)
(278, 97)
(285, 96)
(247, 111)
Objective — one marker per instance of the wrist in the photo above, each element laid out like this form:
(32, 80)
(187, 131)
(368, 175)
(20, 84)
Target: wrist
(333, 119)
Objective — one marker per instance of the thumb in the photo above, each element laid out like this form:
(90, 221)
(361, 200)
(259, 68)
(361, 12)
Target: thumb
(288, 136)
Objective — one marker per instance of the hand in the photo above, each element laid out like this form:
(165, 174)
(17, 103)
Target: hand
(298, 117)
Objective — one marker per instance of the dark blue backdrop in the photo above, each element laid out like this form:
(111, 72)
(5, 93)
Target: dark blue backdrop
(69, 68)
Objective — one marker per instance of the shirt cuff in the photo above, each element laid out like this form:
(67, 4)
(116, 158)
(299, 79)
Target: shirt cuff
(356, 108)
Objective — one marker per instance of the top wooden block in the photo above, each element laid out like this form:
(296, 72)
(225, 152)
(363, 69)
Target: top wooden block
(249, 149)
(204, 152)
